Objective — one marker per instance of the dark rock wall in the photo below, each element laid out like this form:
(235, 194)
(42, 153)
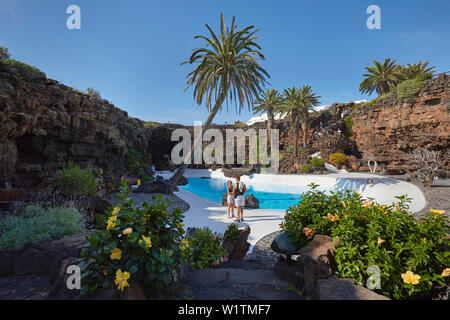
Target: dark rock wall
(44, 124)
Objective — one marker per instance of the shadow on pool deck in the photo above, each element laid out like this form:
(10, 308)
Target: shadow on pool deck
(360, 184)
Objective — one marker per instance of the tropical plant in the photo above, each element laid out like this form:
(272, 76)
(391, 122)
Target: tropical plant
(380, 77)
(269, 102)
(413, 71)
(297, 105)
(411, 254)
(228, 69)
(143, 244)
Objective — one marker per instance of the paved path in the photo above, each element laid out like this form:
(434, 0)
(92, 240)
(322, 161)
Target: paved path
(239, 280)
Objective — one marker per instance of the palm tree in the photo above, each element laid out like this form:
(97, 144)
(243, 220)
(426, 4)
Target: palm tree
(290, 109)
(306, 99)
(380, 77)
(228, 69)
(412, 71)
(269, 102)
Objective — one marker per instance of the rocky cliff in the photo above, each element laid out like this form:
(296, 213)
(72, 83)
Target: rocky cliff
(393, 128)
(43, 124)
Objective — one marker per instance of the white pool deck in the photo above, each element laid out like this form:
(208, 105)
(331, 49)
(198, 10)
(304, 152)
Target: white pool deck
(262, 222)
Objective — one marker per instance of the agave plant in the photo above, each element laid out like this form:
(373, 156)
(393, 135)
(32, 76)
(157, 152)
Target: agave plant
(380, 77)
(227, 69)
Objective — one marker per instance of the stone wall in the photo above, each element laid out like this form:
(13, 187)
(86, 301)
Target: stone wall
(44, 124)
(392, 128)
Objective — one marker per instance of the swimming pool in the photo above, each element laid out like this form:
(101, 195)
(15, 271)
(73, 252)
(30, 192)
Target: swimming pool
(214, 188)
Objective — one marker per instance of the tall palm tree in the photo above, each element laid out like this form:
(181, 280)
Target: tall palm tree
(269, 102)
(290, 109)
(412, 71)
(306, 100)
(228, 69)
(297, 105)
(380, 77)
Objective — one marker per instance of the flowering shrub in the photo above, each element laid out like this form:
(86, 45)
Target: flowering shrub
(144, 244)
(338, 158)
(231, 233)
(206, 249)
(411, 254)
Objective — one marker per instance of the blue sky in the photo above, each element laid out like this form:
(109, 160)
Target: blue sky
(131, 51)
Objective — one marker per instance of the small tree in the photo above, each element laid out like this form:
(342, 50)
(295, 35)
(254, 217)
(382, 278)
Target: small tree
(4, 53)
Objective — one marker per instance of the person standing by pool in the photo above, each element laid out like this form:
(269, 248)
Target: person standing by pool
(230, 199)
(239, 190)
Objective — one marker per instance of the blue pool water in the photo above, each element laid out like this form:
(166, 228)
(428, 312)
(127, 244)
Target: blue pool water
(213, 190)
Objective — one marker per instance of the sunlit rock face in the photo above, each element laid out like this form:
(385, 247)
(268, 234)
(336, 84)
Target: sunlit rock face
(44, 124)
(393, 128)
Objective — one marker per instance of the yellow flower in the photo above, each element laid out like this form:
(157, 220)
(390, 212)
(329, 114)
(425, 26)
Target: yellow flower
(127, 231)
(139, 182)
(111, 222)
(116, 254)
(147, 240)
(446, 272)
(410, 278)
(185, 244)
(105, 272)
(121, 279)
(333, 218)
(367, 204)
(115, 211)
(380, 241)
(437, 213)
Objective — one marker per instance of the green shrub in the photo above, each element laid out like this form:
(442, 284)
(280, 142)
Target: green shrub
(231, 233)
(306, 168)
(370, 236)
(317, 162)
(206, 249)
(134, 162)
(4, 53)
(290, 148)
(74, 180)
(424, 76)
(150, 123)
(27, 71)
(338, 158)
(409, 88)
(143, 244)
(384, 96)
(371, 103)
(38, 224)
(348, 124)
(92, 93)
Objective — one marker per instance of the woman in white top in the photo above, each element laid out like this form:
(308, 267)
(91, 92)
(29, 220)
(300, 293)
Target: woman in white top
(239, 190)
(230, 199)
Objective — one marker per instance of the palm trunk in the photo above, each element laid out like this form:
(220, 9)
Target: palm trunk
(270, 121)
(305, 130)
(296, 138)
(182, 168)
